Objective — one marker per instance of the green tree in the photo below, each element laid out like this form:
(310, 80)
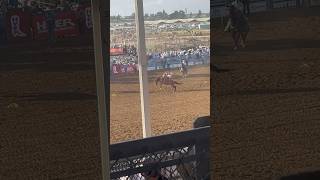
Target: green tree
(133, 15)
(174, 15)
(164, 14)
(118, 18)
(199, 13)
(146, 16)
(182, 14)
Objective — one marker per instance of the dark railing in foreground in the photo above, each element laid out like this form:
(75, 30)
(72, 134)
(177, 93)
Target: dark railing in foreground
(182, 155)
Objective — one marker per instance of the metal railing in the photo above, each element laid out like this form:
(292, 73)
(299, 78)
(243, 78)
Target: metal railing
(222, 3)
(182, 155)
(218, 7)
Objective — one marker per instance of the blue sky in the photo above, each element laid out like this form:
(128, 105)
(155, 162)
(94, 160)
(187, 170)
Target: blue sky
(126, 7)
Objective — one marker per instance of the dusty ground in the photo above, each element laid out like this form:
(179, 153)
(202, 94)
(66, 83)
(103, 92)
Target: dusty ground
(49, 127)
(170, 112)
(266, 104)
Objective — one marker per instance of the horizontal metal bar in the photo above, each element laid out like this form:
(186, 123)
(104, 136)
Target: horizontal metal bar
(154, 166)
(223, 3)
(199, 136)
(282, 1)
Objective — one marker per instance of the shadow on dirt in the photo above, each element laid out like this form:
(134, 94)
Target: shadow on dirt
(61, 96)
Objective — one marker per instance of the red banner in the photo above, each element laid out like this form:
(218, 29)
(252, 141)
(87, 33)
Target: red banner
(65, 26)
(123, 69)
(18, 25)
(116, 51)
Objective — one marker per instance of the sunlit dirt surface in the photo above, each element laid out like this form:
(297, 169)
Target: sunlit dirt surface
(267, 97)
(48, 123)
(170, 111)
(267, 106)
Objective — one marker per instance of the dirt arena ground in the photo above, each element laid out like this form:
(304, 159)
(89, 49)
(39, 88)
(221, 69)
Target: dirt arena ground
(266, 103)
(170, 112)
(48, 110)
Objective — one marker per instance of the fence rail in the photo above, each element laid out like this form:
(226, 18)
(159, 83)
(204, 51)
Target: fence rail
(218, 7)
(182, 155)
(219, 3)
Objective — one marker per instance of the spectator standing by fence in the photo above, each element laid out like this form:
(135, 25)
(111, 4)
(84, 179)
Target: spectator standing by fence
(81, 18)
(50, 20)
(2, 30)
(240, 26)
(3, 11)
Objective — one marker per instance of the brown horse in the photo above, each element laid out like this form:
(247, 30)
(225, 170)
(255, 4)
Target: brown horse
(167, 81)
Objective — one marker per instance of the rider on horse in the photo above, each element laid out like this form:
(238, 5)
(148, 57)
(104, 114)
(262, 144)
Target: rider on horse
(167, 75)
(183, 68)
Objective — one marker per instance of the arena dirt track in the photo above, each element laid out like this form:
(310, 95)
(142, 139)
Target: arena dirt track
(48, 111)
(170, 112)
(266, 106)
(267, 123)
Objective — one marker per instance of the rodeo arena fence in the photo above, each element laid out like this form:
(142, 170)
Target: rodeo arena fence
(219, 7)
(31, 24)
(182, 155)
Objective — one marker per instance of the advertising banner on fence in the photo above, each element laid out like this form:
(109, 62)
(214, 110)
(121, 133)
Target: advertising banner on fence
(18, 25)
(65, 26)
(116, 51)
(124, 68)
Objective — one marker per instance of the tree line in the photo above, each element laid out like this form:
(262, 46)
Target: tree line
(161, 15)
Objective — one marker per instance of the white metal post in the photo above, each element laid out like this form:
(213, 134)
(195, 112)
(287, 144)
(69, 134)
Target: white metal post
(143, 65)
(99, 12)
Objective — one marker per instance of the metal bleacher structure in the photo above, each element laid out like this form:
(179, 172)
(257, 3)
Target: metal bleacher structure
(182, 155)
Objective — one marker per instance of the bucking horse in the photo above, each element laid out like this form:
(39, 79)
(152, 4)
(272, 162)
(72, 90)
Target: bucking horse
(163, 80)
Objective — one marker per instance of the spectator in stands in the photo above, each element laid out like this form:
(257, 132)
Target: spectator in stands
(3, 11)
(26, 6)
(3, 7)
(81, 18)
(240, 26)
(13, 4)
(37, 10)
(66, 5)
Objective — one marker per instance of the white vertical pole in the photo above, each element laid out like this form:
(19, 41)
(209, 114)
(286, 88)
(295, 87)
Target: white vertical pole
(99, 12)
(143, 65)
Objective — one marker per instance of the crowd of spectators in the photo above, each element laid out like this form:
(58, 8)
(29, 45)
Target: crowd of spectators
(128, 62)
(168, 58)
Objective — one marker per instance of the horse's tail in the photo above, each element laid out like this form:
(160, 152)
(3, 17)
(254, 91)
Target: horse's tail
(175, 82)
(157, 80)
